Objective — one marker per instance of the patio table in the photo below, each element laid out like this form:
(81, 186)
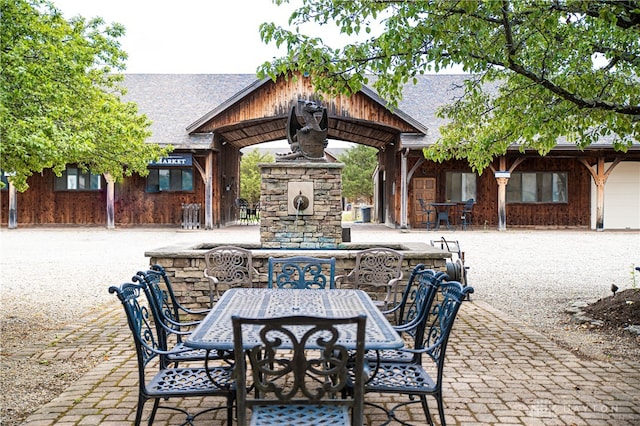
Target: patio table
(216, 332)
(442, 213)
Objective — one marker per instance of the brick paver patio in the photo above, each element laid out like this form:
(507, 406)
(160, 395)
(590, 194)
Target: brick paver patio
(498, 372)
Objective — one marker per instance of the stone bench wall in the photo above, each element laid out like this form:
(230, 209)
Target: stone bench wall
(186, 268)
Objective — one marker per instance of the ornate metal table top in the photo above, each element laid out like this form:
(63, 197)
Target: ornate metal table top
(215, 331)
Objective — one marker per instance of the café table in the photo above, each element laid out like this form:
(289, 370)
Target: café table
(443, 213)
(215, 332)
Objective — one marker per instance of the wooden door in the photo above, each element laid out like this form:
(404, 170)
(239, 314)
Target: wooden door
(424, 188)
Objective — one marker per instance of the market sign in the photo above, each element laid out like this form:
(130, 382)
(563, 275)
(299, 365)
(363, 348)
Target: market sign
(173, 160)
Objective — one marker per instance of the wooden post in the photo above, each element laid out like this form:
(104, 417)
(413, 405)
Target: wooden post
(600, 176)
(502, 177)
(403, 188)
(600, 179)
(110, 201)
(502, 203)
(13, 207)
(208, 192)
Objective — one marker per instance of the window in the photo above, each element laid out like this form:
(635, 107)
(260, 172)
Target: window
(74, 179)
(461, 186)
(173, 179)
(537, 187)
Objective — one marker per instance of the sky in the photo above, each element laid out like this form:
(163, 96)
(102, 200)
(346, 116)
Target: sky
(190, 36)
(196, 36)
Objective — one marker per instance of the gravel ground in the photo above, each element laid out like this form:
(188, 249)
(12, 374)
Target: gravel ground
(53, 275)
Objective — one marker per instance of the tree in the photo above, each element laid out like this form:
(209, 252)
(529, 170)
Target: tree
(359, 164)
(61, 98)
(250, 174)
(538, 70)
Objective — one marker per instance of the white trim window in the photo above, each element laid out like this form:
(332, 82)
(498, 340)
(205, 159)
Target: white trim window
(460, 186)
(74, 179)
(537, 187)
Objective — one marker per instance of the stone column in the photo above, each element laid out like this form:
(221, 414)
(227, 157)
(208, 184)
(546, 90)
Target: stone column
(316, 228)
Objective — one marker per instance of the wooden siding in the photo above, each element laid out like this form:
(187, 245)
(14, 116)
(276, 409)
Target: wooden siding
(41, 205)
(134, 206)
(575, 213)
(261, 116)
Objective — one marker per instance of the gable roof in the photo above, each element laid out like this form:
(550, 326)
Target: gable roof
(180, 104)
(173, 101)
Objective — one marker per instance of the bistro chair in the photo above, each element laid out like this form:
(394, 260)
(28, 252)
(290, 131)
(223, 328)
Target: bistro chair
(163, 383)
(170, 327)
(229, 266)
(411, 378)
(299, 371)
(377, 270)
(427, 211)
(408, 316)
(466, 215)
(301, 272)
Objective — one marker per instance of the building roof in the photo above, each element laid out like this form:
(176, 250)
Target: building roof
(176, 103)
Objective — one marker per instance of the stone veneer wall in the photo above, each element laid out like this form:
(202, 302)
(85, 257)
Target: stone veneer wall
(185, 266)
(323, 228)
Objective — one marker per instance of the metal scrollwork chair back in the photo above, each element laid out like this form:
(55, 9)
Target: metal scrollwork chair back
(299, 371)
(171, 328)
(163, 383)
(411, 378)
(300, 272)
(409, 316)
(229, 266)
(377, 269)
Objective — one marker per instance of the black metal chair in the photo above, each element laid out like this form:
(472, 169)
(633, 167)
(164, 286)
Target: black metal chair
(408, 316)
(466, 214)
(171, 328)
(243, 210)
(411, 378)
(301, 272)
(299, 371)
(162, 383)
(230, 266)
(427, 211)
(376, 269)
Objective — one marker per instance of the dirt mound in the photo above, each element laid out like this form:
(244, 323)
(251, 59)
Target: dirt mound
(617, 311)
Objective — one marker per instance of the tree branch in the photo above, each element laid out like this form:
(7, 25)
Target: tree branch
(626, 19)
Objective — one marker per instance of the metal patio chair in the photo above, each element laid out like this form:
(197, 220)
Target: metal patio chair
(299, 371)
(301, 272)
(243, 210)
(170, 327)
(428, 211)
(466, 214)
(411, 378)
(408, 316)
(376, 269)
(163, 383)
(230, 266)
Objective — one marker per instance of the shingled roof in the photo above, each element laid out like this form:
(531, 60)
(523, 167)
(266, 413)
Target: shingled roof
(175, 101)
